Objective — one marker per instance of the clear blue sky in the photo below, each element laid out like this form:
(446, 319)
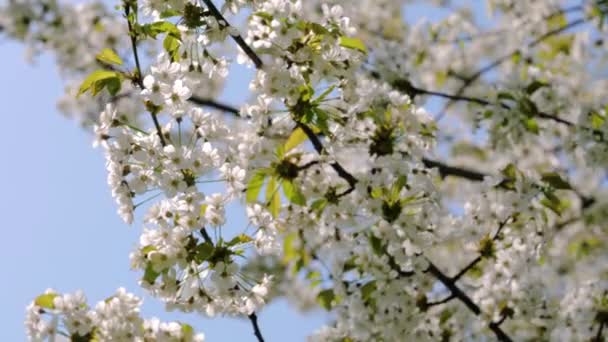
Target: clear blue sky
(60, 227)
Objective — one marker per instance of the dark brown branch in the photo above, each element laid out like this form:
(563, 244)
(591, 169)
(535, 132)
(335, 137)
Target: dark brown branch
(448, 282)
(412, 91)
(318, 145)
(477, 260)
(466, 300)
(214, 104)
(443, 301)
(237, 38)
(448, 170)
(256, 328)
(598, 336)
(467, 268)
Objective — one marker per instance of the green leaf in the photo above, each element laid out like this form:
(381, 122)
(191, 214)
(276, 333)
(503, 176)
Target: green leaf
(296, 138)
(147, 249)
(506, 96)
(534, 86)
(187, 331)
(353, 43)
(292, 193)
(324, 95)
(255, 185)
(531, 125)
(325, 298)
(554, 203)
(171, 45)
(203, 252)
(273, 199)
(368, 290)
(376, 245)
(169, 14)
(46, 300)
(597, 119)
(238, 240)
(556, 181)
(150, 274)
(318, 205)
(100, 79)
(108, 56)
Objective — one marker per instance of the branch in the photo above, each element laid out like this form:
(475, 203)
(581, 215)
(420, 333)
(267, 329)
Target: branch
(444, 279)
(256, 328)
(471, 79)
(137, 76)
(237, 38)
(318, 145)
(412, 91)
(443, 301)
(466, 300)
(448, 170)
(214, 104)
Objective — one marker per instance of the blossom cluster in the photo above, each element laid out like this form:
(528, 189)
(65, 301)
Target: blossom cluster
(115, 319)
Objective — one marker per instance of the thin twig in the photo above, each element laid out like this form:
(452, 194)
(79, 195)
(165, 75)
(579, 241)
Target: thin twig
(237, 38)
(318, 145)
(471, 79)
(443, 301)
(256, 328)
(214, 104)
(137, 76)
(466, 300)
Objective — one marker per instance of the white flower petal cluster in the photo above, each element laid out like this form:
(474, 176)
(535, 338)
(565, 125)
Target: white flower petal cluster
(115, 319)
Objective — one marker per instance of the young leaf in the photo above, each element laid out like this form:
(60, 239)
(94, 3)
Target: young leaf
(273, 199)
(296, 138)
(353, 43)
(556, 181)
(325, 298)
(98, 80)
(292, 193)
(238, 240)
(150, 274)
(204, 251)
(108, 56)
(46, 300)
(255, 185)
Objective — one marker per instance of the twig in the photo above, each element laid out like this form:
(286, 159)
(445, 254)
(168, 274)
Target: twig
(466, 300)
(214, 104)
(443, 301)
(471, 79)
(316, 143)
(237, 38)
(448, 170)
(137, 76)
(256, 328)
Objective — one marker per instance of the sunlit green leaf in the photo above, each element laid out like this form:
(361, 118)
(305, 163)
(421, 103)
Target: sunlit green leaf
(353, 43)
(109, 56)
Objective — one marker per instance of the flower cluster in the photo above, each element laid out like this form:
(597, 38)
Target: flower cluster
(115, 319)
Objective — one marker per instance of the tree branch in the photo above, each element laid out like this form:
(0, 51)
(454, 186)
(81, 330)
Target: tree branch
(318, 145)
(466, 300)
(137, 76)
(256, 328)
(237, 38)
(214, 104)
(448, 170)
(475, 76)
